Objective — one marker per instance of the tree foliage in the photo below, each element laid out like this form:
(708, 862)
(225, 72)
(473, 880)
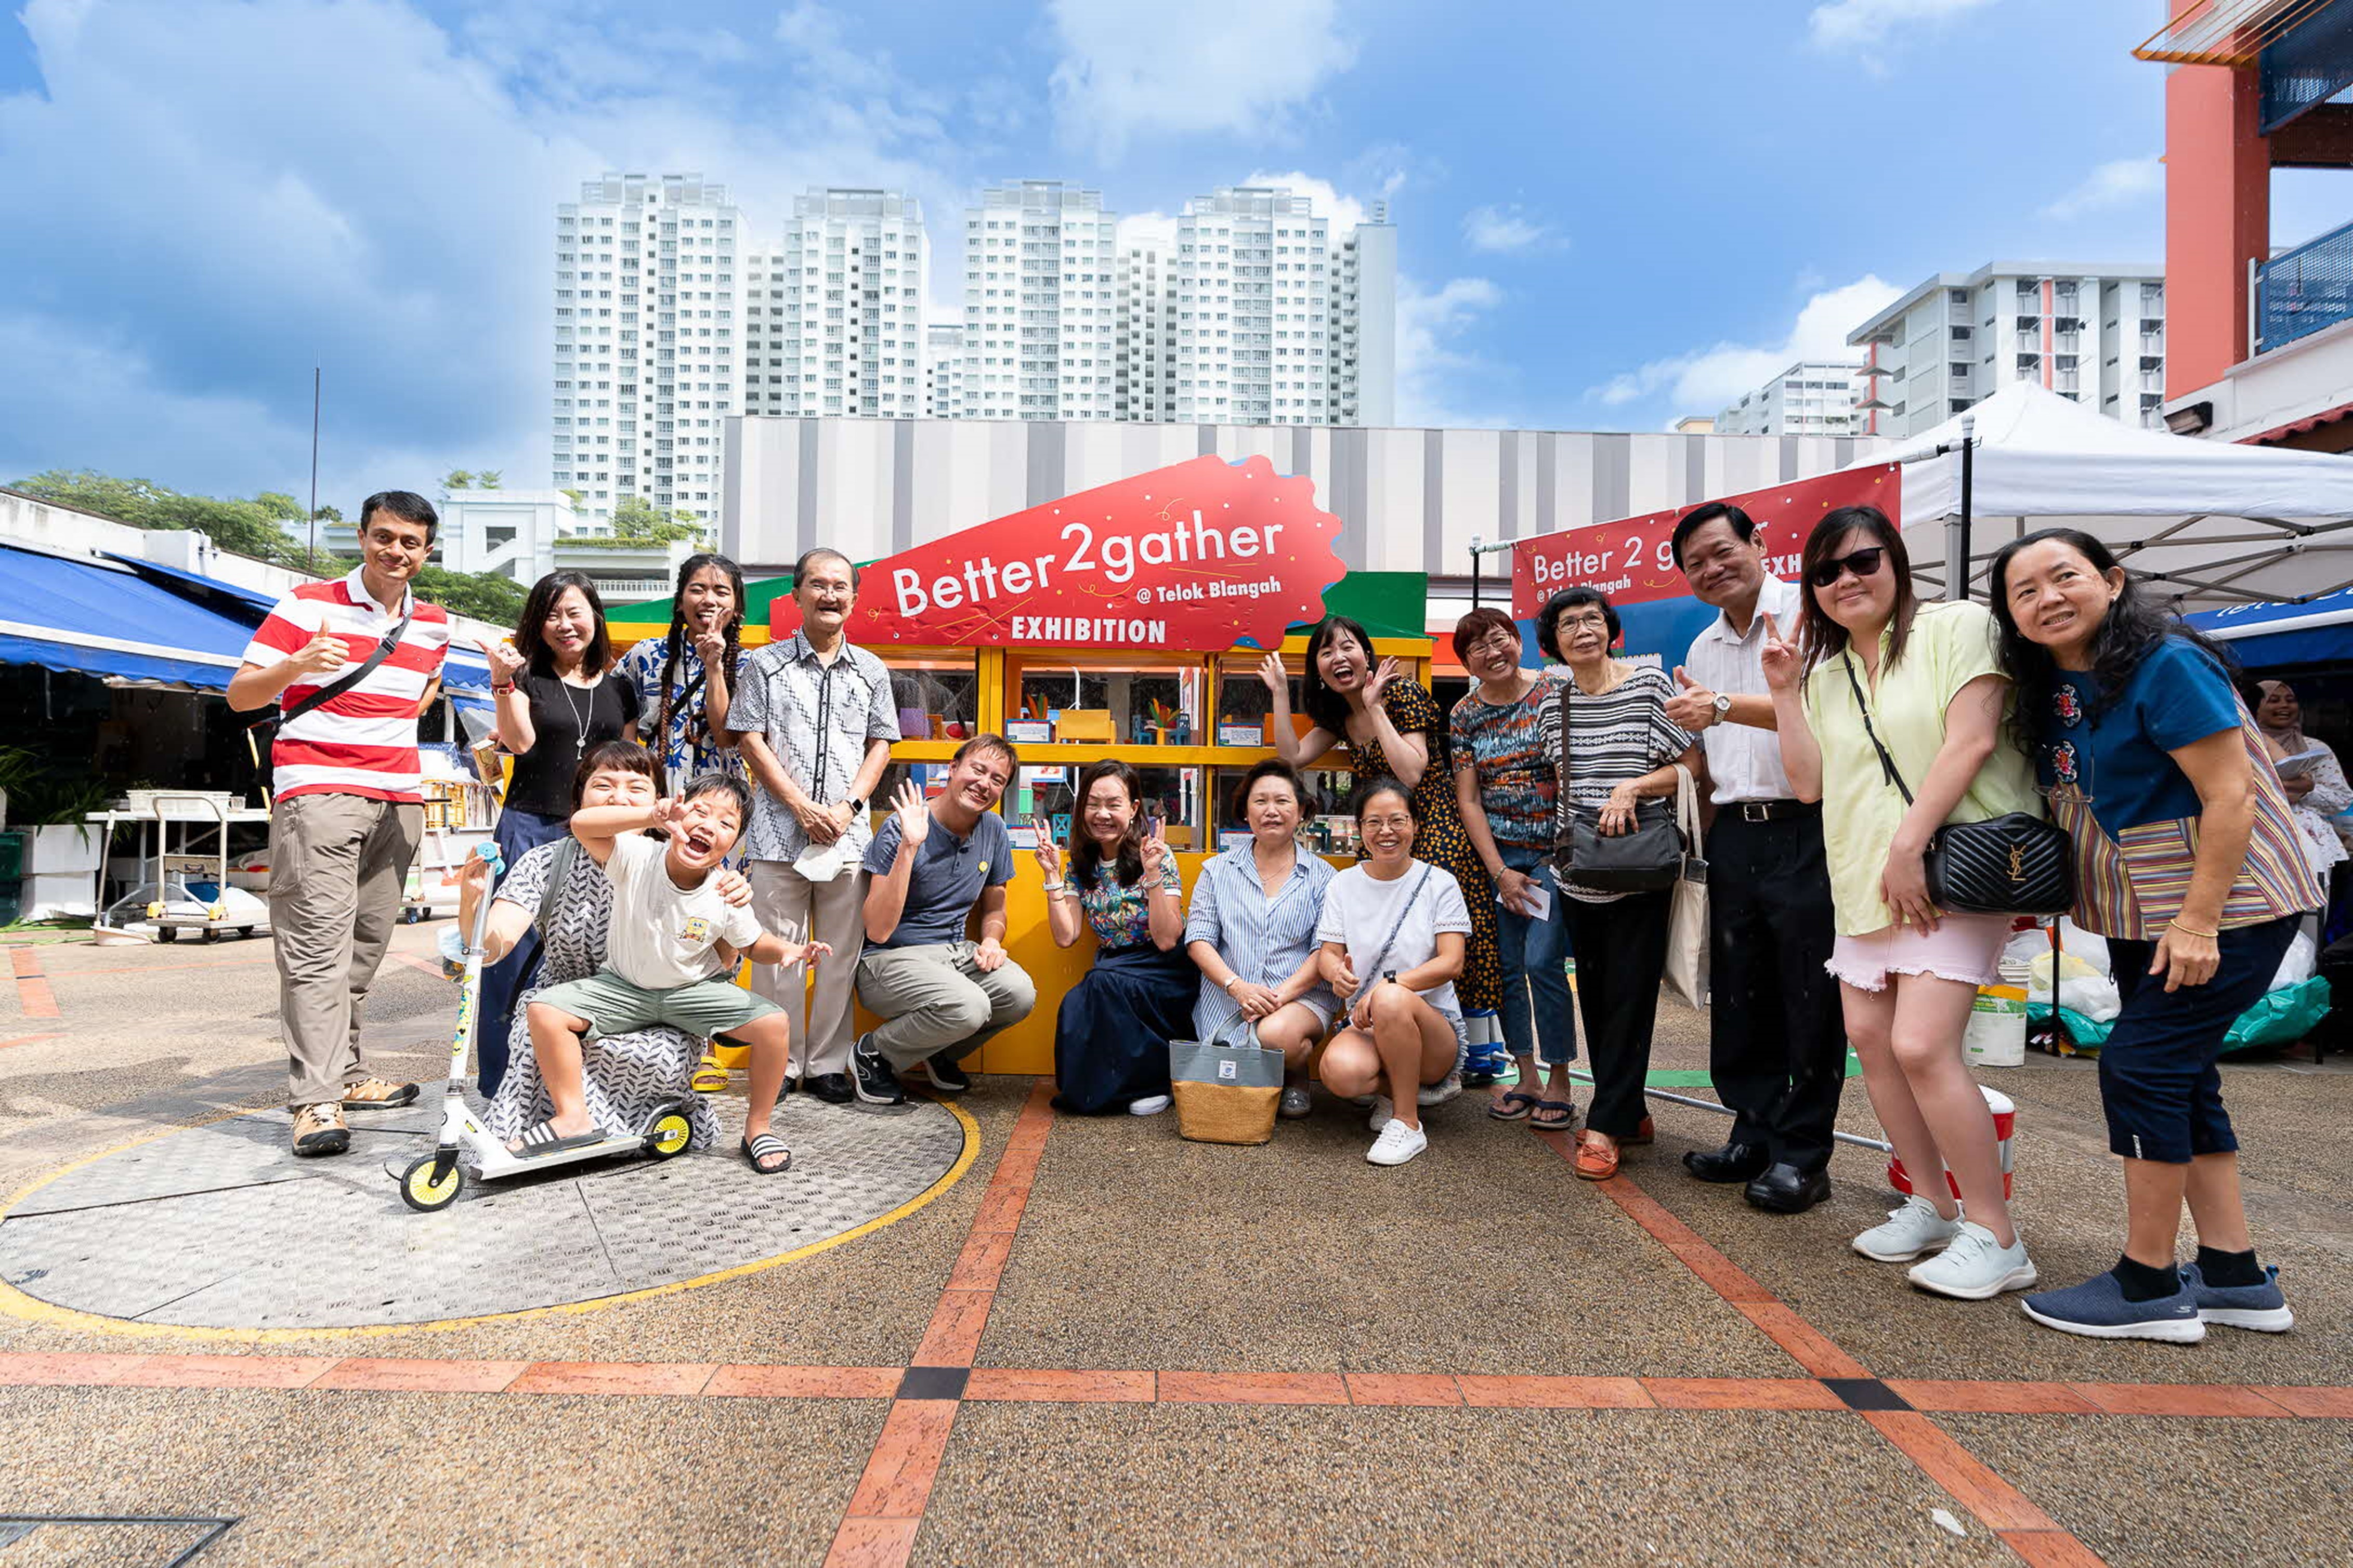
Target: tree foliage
(259, 529)
(458, 479)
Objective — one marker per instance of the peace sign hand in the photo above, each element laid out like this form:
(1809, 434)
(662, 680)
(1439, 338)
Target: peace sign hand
(1049, 853)
(1155, 849)
(1780, 658)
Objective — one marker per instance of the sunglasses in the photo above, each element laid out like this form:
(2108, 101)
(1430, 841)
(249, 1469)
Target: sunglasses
(1861, 562)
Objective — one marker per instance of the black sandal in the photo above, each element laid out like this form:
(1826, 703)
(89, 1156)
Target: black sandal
(1501, 1109)
(1567, 1110)
(766, 1146)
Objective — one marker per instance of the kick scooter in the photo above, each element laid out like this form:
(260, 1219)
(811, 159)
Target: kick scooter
(467, 1148)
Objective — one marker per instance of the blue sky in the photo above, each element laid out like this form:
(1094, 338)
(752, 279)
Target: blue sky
(1610, 214)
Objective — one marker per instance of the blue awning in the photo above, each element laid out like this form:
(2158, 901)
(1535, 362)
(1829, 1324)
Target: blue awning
(94, 618)
(2318, 631)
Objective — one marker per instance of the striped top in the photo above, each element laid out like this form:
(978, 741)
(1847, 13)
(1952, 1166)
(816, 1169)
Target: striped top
(1262, 940)
(365, 742)
(2103, 767)
(1604, 741)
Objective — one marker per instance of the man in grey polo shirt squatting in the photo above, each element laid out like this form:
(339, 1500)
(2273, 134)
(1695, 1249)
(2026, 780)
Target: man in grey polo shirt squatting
(931, 866)
(814, 719)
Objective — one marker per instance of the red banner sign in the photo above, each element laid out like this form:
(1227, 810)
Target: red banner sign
(1632, 560)
(1199, 556)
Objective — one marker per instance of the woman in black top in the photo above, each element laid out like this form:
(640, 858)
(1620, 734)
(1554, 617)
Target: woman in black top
(558, 699)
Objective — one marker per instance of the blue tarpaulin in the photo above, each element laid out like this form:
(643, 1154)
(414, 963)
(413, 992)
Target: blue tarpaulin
(88, 617)
(2318, 631)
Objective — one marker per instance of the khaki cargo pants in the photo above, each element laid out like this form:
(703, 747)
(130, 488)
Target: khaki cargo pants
(338, 863)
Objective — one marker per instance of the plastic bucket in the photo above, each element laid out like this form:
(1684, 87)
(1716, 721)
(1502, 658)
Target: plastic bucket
(2005, 1127)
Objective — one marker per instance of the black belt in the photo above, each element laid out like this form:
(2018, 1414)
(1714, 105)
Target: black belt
(1768, 810)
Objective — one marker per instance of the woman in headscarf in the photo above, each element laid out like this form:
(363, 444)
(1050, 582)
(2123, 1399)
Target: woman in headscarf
(2308, 771)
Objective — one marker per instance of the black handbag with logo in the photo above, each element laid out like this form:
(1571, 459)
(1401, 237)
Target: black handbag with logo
(2014, 864)
(1646, 858)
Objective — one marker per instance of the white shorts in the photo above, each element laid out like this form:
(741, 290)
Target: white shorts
(1966, 948)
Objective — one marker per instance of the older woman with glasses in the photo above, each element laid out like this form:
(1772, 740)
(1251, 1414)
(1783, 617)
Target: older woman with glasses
(1503, 735)
(1877, 669)
(1617, 751)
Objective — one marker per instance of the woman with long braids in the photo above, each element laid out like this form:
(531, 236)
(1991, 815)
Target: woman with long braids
(557, 698)
(686, 679)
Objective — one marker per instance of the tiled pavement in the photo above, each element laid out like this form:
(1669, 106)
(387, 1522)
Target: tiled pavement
(1107, 1345)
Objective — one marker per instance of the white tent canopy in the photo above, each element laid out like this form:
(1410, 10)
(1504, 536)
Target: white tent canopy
(2208, 524)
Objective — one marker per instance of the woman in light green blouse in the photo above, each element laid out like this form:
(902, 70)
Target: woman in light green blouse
(1925, 678)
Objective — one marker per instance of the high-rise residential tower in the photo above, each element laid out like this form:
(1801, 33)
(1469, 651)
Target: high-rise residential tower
(1040, 303)
(2092, 332)
(1146, 389)
(943, 371)
(1254, 297)
(1364, 322)
(645, 359)
(1813, 397)
(833, 311)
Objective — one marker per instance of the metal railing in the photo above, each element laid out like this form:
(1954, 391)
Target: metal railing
(2304, 291)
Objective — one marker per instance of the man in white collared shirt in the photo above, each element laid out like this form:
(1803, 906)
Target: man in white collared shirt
(1777, 1041)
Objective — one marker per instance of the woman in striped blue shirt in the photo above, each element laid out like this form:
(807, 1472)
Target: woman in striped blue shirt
(1252, 931)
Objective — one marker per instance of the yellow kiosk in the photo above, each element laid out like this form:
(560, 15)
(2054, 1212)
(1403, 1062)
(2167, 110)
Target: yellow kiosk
(1189, 722)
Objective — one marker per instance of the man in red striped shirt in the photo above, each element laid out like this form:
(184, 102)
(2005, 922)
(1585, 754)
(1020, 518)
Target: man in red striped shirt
(347, 807)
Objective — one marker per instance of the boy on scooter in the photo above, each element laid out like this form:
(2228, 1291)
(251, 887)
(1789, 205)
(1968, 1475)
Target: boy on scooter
(672, 941)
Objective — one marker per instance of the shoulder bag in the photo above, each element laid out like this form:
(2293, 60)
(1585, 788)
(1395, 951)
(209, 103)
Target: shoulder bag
(1687, 928)
(1644, 859)
(2014, 864)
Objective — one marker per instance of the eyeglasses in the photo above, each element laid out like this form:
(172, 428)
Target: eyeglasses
(1502, 639)
(1571, 623)
(1861, 562)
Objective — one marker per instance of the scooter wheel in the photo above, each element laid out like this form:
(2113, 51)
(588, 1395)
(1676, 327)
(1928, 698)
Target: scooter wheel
(168, 933)
(669, 1135)
(421, 1192)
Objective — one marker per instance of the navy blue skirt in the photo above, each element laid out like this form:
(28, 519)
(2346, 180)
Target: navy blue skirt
(1112, 1034)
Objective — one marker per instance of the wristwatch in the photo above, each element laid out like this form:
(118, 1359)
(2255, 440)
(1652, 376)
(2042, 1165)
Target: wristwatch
(1723, 706)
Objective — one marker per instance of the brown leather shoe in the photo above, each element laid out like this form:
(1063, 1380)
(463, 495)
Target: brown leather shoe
(1596, 1161)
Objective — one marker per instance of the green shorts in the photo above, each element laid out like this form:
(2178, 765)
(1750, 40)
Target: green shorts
(616, 1006)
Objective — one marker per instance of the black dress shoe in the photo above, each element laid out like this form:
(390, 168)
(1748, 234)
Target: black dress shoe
(1733, 1163)
(833, 1088)
(1785, 1189)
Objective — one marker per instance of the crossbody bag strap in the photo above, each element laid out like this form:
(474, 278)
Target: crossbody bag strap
(1398, 924)
(1886, 762)
(559, 870)
(360, 672)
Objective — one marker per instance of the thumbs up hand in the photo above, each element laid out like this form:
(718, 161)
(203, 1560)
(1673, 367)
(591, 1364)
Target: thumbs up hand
(1693, 706)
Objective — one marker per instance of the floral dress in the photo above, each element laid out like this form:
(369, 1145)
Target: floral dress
(1112, 1033)
(684, 746)
(1439, 837)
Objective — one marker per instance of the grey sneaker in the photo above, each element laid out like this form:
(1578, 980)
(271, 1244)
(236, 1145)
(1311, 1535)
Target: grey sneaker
(1973, 1266)
(2098, 1309)
(1441, 1091)
(1911, 1230)
(1295, 1103)
(2262, 1308)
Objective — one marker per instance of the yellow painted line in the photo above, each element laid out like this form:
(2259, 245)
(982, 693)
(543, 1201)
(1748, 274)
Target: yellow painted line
(16, 1303)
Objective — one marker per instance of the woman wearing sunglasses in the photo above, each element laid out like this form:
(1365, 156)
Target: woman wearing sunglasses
(2188, 861)
(1925, 682)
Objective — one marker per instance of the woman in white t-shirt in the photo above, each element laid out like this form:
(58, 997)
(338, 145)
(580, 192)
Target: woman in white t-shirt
(1393, 934)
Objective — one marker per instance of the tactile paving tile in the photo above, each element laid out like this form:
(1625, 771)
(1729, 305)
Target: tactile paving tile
(222, 1227)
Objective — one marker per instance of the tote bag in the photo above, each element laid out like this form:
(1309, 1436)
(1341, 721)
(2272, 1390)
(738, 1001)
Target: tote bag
(1686, 974)
(1225, 1092)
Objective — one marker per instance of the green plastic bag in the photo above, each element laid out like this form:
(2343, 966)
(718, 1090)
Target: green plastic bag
(2281, 1018)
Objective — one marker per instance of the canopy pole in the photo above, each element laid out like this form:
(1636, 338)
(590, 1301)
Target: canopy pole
(1474, 573)
(1958, 589)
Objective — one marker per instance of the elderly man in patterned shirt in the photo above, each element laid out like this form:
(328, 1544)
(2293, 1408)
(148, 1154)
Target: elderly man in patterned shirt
(814, 719)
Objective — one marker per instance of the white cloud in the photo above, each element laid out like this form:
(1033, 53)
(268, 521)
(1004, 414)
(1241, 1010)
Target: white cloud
(2119, 184)
(1431, 369)
(1704, 380)
(1329, 201)
(1510, 228)
(401, 234)
(1243, 67)
(1865, 27)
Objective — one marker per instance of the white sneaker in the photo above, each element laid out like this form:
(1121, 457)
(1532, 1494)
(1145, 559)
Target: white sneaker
(1396, 1144)
(1973, 1266)
(1150, 1105)
(1383, 1112)
(1441, 1091)
(1910, 1231)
